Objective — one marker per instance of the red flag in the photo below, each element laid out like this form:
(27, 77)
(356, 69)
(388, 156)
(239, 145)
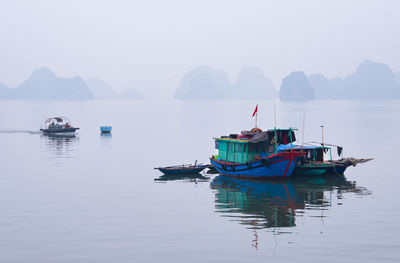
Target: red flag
(255, 110)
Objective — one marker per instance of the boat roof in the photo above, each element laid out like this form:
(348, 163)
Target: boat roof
(58, 119)
(306, 147)
(256, 137)
(233, 140)
(278, 129)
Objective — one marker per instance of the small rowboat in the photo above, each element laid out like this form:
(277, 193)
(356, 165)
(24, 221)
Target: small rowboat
(183, 169)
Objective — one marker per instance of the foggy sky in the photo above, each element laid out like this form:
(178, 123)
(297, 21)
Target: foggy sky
(149, 45)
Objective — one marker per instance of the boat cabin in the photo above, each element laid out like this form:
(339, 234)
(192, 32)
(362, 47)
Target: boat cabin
(248, 147)
(312, 153)
(315, 154)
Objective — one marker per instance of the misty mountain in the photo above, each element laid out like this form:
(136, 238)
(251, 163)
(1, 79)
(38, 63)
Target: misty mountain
(5, 92)
(251, 83)
(204, 82)
(397, 76)
(327, 88)
(130, 94)
(43, 84)
(101, 90)
(296, 87)
(370, 81)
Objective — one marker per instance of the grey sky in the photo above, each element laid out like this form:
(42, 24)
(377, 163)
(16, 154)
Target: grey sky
(148, 45)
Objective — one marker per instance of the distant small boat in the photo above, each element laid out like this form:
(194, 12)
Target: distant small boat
(58, 126)
(183, 169)
(105, 129)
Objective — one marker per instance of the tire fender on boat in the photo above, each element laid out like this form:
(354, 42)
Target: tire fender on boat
(266, 161)
(256, 130)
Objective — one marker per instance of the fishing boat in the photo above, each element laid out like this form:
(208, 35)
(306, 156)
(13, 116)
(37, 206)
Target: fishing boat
(58, 126)
(313, 161)
(183, 169)
(254, 154)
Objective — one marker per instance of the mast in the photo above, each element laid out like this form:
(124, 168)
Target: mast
(276, 139)
(322, 141)
(322, 129)
(302, 136)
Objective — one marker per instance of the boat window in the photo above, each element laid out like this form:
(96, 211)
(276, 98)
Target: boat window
(245, 148)
(251, 147)
(255, 147)
(238, 147)
(264, 147)
(319, 155)
(231, 147)
(223, 146)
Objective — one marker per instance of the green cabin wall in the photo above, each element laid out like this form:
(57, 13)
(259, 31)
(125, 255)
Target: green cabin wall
(235, 151)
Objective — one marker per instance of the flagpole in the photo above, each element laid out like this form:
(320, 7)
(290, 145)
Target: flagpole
(255, 113)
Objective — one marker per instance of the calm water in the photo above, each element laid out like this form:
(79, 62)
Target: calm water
(95, 198)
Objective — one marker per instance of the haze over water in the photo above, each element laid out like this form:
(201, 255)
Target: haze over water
(93, 198)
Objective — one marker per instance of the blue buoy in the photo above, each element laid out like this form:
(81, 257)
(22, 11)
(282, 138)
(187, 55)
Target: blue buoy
(105, 129)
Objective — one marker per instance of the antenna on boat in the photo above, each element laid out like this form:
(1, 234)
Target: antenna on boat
(322, 128)
(302, 136)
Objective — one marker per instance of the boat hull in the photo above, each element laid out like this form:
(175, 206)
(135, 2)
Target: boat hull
(66, 131)
(279, 165)
(337, 169)
(182, 170)
(319, 169)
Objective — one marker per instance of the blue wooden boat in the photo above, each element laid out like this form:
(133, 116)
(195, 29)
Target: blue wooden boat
(105, 129)
(183, 169)
(255, 154)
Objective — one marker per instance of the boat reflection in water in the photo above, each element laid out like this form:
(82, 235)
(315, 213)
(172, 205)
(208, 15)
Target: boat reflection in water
(106, 139)
(106, 135)
(60, 145)
(184, 177)
(273, 204)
